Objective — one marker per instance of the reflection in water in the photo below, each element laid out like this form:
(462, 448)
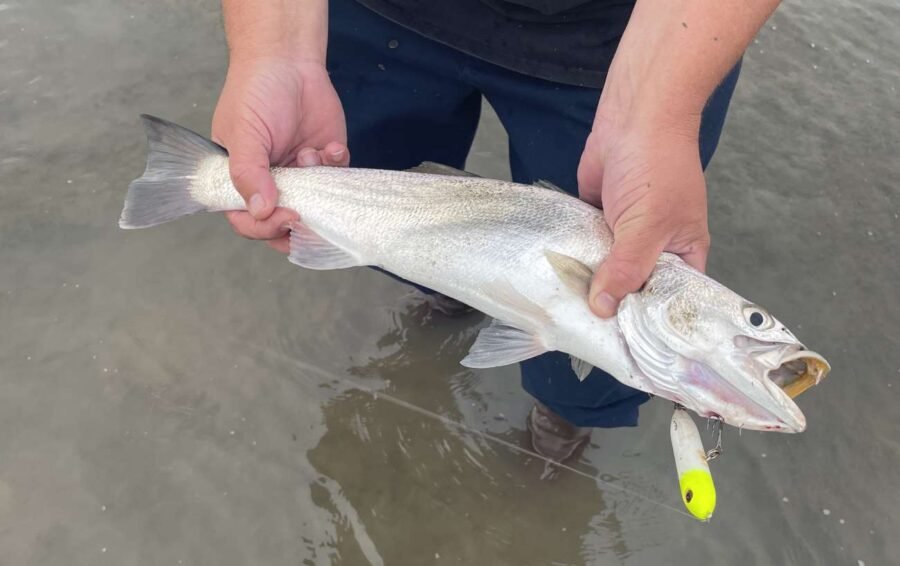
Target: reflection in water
(405, 455)
(326, 493)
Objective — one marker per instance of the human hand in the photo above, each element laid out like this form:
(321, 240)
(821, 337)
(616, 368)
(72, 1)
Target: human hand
(650, 183)
(641, 161)
(275, 111)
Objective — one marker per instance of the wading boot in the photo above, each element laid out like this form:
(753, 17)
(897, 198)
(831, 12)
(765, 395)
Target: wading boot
(447, 306)
(553, 436)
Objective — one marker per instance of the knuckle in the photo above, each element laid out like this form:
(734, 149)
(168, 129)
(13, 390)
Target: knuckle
(234, 223)
(627, 270)
(581, 177)
(242, 175)
(242, 232)
(243, 228)
(704, 243)
(586, 175)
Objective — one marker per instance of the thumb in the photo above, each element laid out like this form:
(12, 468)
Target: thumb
(629, 264)
(248, 165)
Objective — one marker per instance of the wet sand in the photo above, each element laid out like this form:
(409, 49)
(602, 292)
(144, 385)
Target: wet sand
(183, 396)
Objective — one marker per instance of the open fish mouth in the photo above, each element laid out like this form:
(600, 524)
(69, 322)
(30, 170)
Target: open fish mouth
(787, 370)
(798, 371)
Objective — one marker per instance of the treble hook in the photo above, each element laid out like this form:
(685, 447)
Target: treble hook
(715, 451)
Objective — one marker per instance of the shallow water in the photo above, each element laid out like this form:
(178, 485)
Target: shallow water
(182, 396)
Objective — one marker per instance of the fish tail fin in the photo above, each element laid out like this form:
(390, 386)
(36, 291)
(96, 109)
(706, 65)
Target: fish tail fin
(163, 192)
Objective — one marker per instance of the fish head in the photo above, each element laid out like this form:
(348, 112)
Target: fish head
(698, 343)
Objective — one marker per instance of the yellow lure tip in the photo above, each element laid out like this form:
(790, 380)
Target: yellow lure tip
(698, 492)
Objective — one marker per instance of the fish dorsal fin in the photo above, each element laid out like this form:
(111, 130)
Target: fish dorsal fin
(432, 168)
(574, 274)
(501, 344)
(544, 184)
(581, 368)
(312, 251)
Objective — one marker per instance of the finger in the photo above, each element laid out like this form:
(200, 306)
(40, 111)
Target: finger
(629, 264)
(308, 157)
(274, 227)
(248, 165)
(282, 244)
(335, 154)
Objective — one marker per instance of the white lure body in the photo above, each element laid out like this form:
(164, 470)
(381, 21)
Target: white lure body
(694, 478)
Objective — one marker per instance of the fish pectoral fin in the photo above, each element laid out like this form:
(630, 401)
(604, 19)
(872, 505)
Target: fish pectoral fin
(432, 168)
(312, 251)
(574, 274)
(501, 344)
(581, 368)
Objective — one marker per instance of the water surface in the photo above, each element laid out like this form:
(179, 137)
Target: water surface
(182, 396)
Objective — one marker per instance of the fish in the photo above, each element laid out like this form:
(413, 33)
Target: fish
(523, 255)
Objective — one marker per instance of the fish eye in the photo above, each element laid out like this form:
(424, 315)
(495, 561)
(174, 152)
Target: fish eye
(757, 317)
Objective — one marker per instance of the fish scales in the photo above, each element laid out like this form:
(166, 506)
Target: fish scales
(522, 254)
(472, 230)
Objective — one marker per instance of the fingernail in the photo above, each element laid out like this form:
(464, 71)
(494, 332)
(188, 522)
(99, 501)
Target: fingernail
(337, 155)
(256, 205)
(605, 303)
(308, 158)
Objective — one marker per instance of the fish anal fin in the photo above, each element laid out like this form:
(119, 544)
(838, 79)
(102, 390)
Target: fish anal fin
(432, 168)
(544, 184)
(501, 344)
(581, 368)
(574, 274)
(312, 251)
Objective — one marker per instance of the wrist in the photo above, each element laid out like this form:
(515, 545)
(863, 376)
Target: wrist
(255, 60)
(289, 52)
(633, 101)
(647, 119)
(672, 56)
(292, 53)
(292, 31)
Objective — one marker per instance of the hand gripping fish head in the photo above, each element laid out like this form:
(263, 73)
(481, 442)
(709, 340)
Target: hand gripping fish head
(704, 346)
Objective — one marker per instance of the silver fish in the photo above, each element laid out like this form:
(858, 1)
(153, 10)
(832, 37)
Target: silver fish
(521, 254)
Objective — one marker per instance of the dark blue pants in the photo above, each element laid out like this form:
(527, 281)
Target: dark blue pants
(409, 99)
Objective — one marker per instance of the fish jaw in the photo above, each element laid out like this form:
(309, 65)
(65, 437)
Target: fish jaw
(756, 388)
(745, 400)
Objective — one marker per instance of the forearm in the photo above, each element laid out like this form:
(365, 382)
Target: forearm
(295, 29)
(673, 55)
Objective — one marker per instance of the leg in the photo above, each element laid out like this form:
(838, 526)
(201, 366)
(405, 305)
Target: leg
(401, 92)
(402, 97)
(548, 124)
(713, 119)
